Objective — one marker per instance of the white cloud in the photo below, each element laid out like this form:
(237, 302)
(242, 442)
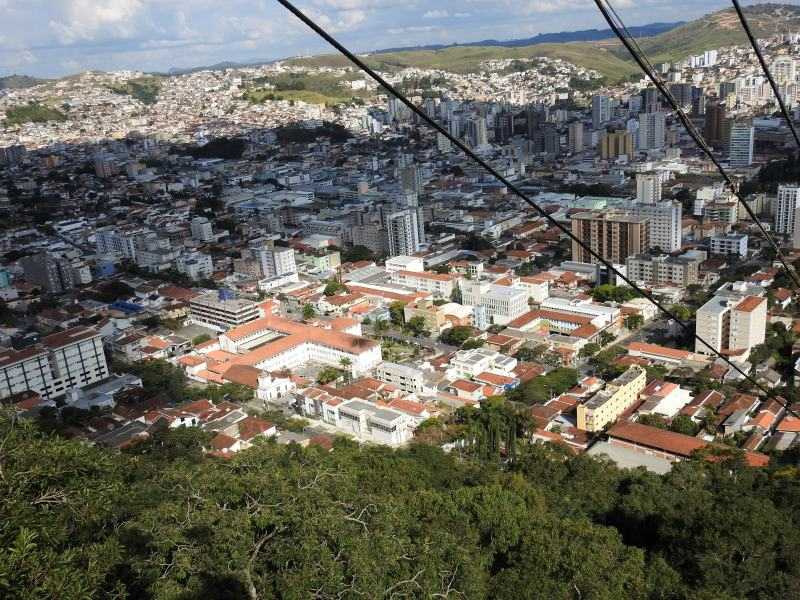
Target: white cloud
(89, 20)
(436, 14)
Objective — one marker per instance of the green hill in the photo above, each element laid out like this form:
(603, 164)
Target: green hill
(718, 30)
(18, 82)
(608, 57)
(32, 113)
(144, 89)
(467, 59)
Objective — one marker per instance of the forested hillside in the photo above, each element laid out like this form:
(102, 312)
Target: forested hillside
(161, 521)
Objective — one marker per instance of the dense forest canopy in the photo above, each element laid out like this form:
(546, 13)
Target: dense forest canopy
(162, 521)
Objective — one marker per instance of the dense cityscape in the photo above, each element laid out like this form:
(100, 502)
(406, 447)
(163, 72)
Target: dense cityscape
(236, 268)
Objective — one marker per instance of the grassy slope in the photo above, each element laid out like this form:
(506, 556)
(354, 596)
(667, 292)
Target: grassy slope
(609, 57)
(468, 59)
(32, 113)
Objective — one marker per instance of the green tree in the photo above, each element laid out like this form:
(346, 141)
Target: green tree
(590, 350)
(309, 312)
(328, 375)
(201, 339)
(417, 326)
(613, 293)
(334, 287)
(634, 322)
(397, 313)
(456, 336)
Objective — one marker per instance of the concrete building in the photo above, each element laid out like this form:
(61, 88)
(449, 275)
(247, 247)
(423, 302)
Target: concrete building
(740, 149)
(652, 130)
(575, 137)
(664, 269)
(440, 285)
(202, 231)
(53, 274)
(648, 188)
(613, 235)
(274, 262)
(62, 361)
(731, 322)
(617, 144)
(502, 304)
(601, 111)
(220, 312)
(608, 404)
(405, 232)
(405, 263)
(786, 210)
(664, 224)
(733, 243)
(195, 265)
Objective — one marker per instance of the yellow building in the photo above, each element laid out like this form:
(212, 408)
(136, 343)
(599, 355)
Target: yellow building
(608, 404)
(616, 144)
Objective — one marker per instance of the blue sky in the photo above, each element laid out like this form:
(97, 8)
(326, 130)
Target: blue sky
(57, 37)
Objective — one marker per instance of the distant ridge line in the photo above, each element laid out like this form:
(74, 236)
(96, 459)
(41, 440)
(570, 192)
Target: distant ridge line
(585, 35)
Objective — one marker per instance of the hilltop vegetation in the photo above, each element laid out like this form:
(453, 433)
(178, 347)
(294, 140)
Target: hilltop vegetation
(162, 521)
(32, 113)
(608, 57)
(144, 89)
(18, 82)
(317, 88)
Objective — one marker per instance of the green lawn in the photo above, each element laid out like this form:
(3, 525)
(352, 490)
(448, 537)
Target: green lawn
(32, 113)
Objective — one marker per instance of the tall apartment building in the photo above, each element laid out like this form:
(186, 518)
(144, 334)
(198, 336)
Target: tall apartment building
(275, 262)
(786, 210)
(122, 244)
(717, 125)
(652, 131)
(601, 111)
(664, 270)
(616, 144)
(648, 187)
(664, 224)
(202, 230)
(221, 312)
(52, 273)
(195, 265)
(502, 304)
(730, 321)
(575, 137)
(740, 149)
(404, 231)
(613, 235)
(477, 135)
(608, 404)
(62, 361)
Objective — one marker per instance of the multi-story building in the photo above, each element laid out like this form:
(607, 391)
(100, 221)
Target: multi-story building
(62, 361)
(648, 188)
(613, 235)
(731, 321)
(740, 149)
(616, 144)
(404, 377)
(601, 315)
(221, 311)
(52, 273)
(195, 265)
(440, 285)
(664, 269)
(717, 125)
(664, 224)
(202, 231)
(733, 243)
(575, 137)
(652, 129)
(111, 241)
(608, 404)
(786, 210)
(502, 304)
(601, 111)
(275, 262)
(404, 232)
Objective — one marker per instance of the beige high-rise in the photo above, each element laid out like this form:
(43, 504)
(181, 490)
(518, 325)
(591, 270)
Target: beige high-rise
(613, 235)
